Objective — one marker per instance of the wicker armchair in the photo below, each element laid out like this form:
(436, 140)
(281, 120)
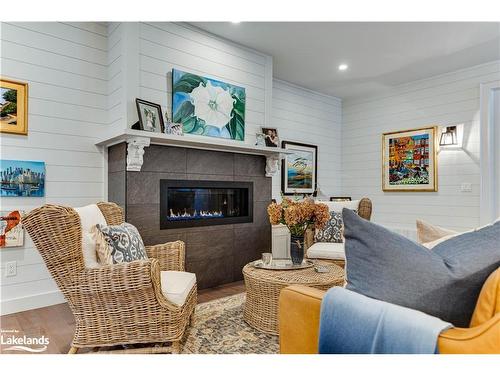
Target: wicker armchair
(364, 210)
(113, 304)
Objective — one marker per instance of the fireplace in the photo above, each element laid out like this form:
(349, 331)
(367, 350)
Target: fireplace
(193, 203)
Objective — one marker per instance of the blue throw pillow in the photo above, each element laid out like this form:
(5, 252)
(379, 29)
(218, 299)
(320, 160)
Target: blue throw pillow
(444, 282)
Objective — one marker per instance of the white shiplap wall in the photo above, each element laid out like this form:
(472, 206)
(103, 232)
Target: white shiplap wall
(164, 46)
(447, 99)
(307, 117)
(66, 67)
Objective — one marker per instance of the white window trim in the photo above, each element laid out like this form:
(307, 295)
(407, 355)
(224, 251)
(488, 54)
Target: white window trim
(487, 197)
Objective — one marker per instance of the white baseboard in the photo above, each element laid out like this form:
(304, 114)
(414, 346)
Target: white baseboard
(31, 302)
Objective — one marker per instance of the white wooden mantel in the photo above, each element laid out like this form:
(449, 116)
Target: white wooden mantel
(138, 140)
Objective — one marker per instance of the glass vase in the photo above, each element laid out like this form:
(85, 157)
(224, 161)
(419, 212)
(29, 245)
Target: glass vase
(297, 249)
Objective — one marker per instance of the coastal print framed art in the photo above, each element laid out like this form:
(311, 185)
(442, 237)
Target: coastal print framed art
(13, 107)
(208, 107)
(299, 168)
(409, 160)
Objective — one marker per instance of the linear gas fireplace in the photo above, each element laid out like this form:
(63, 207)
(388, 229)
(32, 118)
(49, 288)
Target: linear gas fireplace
(192, 203)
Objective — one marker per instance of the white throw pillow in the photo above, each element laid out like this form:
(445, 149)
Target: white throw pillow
(90, 216)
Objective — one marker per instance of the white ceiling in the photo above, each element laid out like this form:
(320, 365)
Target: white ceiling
(379, 55)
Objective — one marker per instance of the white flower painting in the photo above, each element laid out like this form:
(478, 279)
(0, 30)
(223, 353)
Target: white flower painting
(208, 107)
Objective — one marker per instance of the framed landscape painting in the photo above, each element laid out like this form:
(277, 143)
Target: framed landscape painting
(409, 160)
(20, 178)
(13, 107)
(208, 107)
(299, 169)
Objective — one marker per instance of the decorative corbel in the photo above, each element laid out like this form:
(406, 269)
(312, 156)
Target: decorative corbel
(135, 152)
(273, 164)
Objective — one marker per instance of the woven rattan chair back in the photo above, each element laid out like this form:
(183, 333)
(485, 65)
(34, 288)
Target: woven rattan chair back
(57, 234)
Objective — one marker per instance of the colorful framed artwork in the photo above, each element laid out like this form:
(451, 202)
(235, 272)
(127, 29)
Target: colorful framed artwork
(13, 107)
(20, 178)
(150, 116)
(11, 230)
(409, 160)
(208, 107)
(299, 172)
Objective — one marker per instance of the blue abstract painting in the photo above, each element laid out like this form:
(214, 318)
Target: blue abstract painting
(21, 178)
(208, 107)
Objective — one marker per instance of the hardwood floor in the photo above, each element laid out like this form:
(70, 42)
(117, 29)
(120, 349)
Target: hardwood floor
(57, 323)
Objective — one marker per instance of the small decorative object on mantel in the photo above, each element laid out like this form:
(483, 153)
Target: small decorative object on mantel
(260, 139)
(298, 216)
(11, 230)
(271, 137)
(209, 107)
(409, 160)
(150, 116)
(299, 172)
(174, 128)
(13, 107)
(21, 178)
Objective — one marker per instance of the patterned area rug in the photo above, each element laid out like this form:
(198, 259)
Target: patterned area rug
(220, 329)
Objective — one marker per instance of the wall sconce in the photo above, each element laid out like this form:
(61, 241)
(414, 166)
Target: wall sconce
(449, 137)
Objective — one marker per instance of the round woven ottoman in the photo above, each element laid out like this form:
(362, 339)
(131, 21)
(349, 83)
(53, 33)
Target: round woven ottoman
(263, 289)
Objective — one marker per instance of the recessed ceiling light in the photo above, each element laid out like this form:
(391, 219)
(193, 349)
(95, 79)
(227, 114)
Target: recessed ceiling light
(235, 21)
(343, 66)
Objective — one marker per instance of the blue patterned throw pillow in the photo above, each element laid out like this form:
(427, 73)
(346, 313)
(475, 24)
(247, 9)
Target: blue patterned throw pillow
(333, 230)
(122, 243)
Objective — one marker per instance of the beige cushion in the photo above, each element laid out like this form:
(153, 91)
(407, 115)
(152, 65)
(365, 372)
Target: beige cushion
(439, 230)
(431, 244)
(89, 216)
(427, 232)
(339, 206)
(176, 285)
(327, 250)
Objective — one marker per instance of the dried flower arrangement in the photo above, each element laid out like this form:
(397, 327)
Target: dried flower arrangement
(298, 215)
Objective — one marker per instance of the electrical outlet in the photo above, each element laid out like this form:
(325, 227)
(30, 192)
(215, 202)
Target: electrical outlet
(466, 187)
(10, 269)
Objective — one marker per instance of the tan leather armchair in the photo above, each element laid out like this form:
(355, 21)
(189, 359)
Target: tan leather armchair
(299, 312)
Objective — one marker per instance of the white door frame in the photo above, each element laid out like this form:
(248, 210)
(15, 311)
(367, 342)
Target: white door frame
(487, 154)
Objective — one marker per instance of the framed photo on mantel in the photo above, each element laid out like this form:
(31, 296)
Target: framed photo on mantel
(299, 172)
(409, 160)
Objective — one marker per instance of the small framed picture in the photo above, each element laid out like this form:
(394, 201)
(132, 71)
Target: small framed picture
(340, 199)
(11, 230)
(175, 128)
(13, 107)
(271, 137)
(150, 116)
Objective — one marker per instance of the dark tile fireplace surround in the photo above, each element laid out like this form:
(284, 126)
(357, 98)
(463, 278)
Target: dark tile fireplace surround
(216, 253)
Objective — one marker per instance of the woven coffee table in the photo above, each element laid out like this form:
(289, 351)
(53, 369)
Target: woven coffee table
(263, 289)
